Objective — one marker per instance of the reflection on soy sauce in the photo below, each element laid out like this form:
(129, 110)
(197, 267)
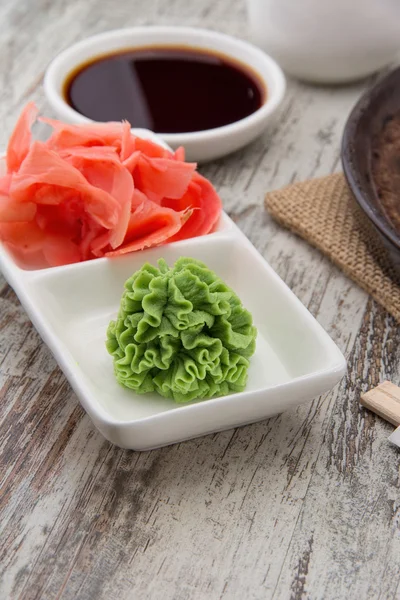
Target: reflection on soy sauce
(166, 89)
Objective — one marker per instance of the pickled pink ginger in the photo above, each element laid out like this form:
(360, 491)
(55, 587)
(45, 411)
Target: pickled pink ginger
(97, 190)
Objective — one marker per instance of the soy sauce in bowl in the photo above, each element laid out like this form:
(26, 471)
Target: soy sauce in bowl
(165, 89)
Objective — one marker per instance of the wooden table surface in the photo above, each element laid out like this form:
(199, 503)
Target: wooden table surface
(303, 505)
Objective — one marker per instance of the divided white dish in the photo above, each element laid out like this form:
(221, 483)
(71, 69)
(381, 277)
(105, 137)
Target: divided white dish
(71, 306)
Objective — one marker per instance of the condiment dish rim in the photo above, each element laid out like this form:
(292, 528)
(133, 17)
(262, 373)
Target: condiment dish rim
(361, 192)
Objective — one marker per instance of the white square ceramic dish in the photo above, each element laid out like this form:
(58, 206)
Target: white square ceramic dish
(71, 307)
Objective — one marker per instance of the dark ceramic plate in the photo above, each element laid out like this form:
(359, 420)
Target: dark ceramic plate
(364, 126)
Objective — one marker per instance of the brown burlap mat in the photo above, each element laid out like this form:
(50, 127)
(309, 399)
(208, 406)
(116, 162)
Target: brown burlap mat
(325, 214)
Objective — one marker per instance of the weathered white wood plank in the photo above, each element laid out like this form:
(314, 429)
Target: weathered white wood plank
(304, 505)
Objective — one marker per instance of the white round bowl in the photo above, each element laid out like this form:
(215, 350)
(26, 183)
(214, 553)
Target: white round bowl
(200, 145)
(324, 41)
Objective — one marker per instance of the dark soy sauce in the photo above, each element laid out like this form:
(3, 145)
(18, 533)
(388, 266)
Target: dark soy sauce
(166, 89)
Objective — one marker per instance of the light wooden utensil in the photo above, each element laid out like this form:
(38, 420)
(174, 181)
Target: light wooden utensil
(384, 400)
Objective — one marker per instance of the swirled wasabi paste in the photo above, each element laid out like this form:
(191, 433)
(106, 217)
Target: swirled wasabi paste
(181, 332)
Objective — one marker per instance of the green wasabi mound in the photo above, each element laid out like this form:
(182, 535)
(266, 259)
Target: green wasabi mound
(181, 332)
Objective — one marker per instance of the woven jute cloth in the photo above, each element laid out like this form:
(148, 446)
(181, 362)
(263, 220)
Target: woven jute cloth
(325, 214)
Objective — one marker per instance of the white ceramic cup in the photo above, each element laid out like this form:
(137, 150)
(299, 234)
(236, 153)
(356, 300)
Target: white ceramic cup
(328, 41)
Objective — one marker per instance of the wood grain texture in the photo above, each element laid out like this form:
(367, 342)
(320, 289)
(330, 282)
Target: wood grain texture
(304, 505)
(384, 400)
